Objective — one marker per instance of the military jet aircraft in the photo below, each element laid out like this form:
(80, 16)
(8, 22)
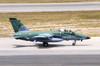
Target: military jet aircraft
(23, 33)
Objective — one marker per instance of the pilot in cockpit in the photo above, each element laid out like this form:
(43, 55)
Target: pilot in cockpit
(66, 30)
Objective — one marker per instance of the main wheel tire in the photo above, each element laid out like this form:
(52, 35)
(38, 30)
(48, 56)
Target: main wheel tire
(73, 44)
(45, 44)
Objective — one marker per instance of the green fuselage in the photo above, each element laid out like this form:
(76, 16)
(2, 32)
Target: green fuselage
(23, 33)
(54, 33)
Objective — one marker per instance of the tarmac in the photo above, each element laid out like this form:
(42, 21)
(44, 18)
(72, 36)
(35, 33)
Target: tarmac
(10, 46)
(24, 53)
(46, 7)
(50, 60)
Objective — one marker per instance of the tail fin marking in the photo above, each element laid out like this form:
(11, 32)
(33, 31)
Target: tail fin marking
(17, 25)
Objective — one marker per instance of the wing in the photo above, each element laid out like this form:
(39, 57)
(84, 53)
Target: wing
(45, 35)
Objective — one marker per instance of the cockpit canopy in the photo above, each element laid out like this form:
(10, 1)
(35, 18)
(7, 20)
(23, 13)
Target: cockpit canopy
(66, 30)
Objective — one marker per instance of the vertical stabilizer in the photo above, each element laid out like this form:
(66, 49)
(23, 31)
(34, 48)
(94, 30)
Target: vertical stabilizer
(17, 25)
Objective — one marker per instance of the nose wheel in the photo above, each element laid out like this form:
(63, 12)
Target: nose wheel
(74, 43)
(45, 44)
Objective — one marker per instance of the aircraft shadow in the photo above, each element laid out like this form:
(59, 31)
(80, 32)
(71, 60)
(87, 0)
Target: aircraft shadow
(54, 45)
(40, 46)
(50, 46)
(19, 46)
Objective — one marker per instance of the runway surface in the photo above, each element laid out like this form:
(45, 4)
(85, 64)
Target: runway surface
(42, 7)
(24, 53)
(10, 46)
(50, 60)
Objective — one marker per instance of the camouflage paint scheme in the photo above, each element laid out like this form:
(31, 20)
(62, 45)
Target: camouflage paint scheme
(23, 33)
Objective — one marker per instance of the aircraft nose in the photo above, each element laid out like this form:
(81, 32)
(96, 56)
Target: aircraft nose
(87, 37)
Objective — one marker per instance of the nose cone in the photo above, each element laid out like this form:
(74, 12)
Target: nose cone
(87, 37)
(82, 36)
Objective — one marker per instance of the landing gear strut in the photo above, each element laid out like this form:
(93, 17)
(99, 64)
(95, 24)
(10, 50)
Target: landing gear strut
(74, 43)
(45, 44)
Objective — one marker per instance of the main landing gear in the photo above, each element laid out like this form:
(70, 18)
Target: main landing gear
(74, 43)
(45, 44)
